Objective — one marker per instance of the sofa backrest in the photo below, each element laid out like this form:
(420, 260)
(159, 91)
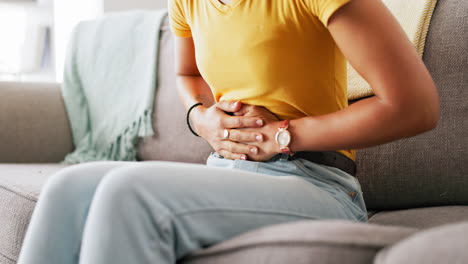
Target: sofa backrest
(426, 170)
(172, 140)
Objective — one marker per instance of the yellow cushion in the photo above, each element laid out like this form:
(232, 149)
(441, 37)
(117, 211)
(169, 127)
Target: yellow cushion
(414, 16)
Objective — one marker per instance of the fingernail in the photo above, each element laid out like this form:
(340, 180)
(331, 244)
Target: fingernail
(243, 157)
(259, 138)
(259, 122)
(253, 150)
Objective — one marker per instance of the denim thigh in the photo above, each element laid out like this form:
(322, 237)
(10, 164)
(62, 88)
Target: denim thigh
(344, 187)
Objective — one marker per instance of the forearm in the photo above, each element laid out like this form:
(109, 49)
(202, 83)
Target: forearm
(366, 123)
(194, 89)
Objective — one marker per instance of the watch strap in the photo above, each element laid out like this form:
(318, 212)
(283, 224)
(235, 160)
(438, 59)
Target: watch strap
(286, 150)
(284, 124)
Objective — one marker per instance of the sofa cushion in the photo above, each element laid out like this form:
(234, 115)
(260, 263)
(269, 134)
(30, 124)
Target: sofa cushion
(19, 189)
(421, 217)
(172, 140)
(301, 242)
(444, 244)
(430, 169)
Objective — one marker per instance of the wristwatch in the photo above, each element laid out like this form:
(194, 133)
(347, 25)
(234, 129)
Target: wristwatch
(283, 137)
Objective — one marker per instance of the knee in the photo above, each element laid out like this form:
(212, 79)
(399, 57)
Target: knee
(74, 180)
(119, 186)
(65, 181)
(132, 184)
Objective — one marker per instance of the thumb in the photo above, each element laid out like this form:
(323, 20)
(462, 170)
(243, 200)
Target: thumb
(229, 106)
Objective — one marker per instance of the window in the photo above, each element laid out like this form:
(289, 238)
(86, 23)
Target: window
(25, 49)
(35, 33)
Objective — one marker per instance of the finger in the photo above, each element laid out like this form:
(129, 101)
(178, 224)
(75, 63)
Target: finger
(244, 110)
(244, 136)
(229, 155)
(241, 121)
(229, 106)
(240, 148)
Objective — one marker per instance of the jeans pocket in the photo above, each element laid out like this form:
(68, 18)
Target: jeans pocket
(216, 160)
(337, 182)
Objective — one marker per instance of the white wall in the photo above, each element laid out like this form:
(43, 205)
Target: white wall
(118, 5)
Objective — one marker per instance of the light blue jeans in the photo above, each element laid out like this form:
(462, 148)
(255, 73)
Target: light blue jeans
(157, 212)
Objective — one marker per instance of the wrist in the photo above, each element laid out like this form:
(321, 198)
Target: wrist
(197, 114)
(296, 141)
(189, 117)
(282, 137)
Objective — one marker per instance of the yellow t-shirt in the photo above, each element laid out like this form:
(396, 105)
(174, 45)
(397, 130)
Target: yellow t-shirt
(272, 53)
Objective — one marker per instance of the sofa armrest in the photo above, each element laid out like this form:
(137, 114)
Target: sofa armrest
(34, 126)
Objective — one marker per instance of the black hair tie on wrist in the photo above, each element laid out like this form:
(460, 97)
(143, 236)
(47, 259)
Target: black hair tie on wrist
(188, 118)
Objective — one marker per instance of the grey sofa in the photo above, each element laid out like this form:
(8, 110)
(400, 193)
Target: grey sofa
(416, 189)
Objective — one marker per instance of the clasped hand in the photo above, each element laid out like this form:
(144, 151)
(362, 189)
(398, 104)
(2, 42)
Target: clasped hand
(252, 130)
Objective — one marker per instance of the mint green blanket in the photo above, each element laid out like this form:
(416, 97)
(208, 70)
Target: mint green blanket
(109, 84)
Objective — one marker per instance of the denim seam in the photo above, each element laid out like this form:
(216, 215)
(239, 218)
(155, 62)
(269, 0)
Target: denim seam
(239, 210)
(163, 220)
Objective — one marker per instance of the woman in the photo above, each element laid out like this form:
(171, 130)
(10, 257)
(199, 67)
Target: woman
(282, 60)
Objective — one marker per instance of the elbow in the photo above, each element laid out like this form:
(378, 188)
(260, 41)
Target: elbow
(427, 114)
(417, 122)
(431, 111)
(433, 118)
(416, 116)
(428, 122)
(414, 121)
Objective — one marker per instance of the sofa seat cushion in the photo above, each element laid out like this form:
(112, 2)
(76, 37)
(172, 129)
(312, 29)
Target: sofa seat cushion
(421, 217)
(19, 189)
(300, 242)
(443, 244)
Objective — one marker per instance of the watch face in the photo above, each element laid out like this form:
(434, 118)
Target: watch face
(284, 137)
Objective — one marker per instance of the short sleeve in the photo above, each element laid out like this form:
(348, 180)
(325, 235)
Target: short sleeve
(324, 9)
(177, 20)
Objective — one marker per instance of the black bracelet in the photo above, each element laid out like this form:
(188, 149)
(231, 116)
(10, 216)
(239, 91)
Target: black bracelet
(188, 118)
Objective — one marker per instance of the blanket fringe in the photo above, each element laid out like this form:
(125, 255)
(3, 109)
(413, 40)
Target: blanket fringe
(122, 148)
